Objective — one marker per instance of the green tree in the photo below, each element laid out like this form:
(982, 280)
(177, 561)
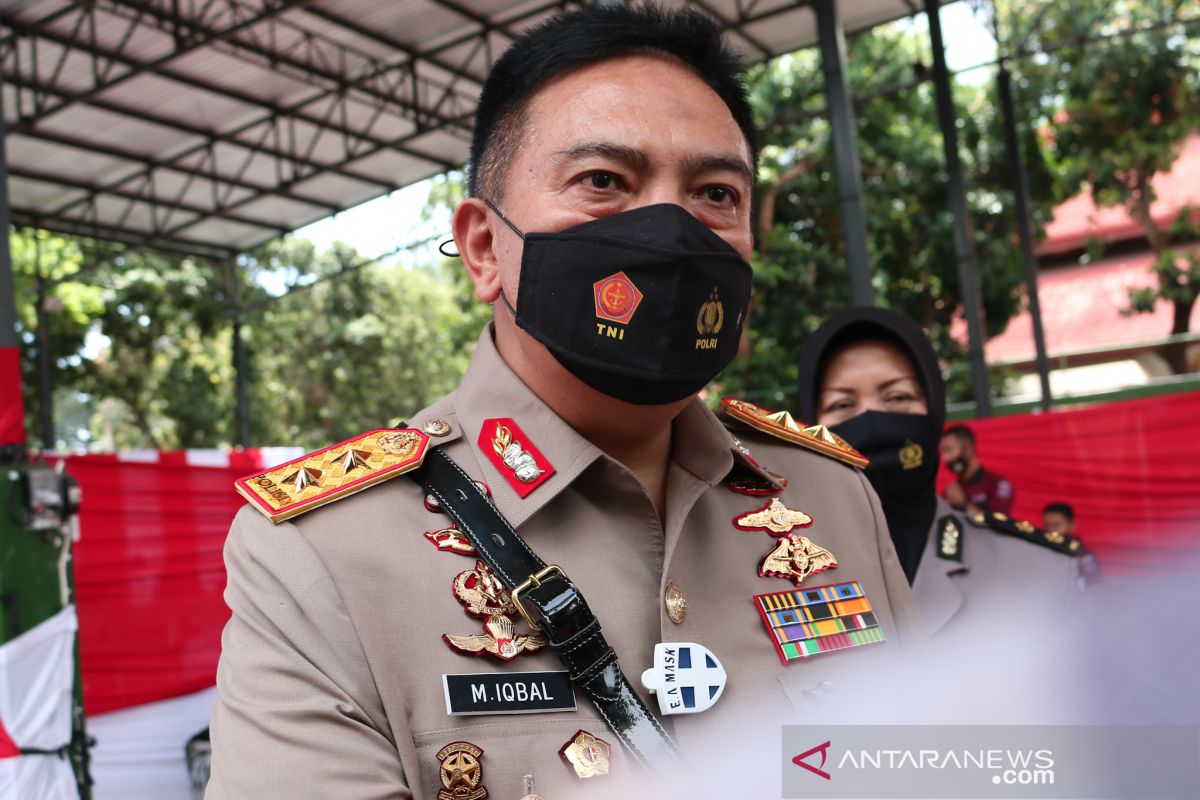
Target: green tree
(161, 378)
(1125, 98)
(800, 271)
(352, 345)
(50, 273)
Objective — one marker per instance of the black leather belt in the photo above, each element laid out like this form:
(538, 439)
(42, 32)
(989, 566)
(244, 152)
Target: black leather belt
(552, 604)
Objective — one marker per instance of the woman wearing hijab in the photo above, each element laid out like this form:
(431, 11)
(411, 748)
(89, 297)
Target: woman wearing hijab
(874, 380)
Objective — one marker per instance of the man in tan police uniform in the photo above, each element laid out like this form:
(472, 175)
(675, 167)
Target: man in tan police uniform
(349, 620)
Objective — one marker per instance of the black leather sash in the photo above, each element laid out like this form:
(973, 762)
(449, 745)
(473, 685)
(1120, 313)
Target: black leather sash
(552, 605)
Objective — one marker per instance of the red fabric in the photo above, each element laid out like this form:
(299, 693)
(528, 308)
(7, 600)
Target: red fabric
(149, 575)
(1130, 470)
(12, 406)
(8, 748)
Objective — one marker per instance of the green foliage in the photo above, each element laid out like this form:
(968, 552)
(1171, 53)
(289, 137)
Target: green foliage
(49, 270)
(1124, 96)
(358, 351)
(800, 271)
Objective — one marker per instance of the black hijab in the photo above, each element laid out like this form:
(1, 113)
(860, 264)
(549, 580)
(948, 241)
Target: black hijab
(903, 448)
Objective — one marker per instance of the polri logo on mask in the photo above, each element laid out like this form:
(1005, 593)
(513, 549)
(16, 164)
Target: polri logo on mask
(709, 322)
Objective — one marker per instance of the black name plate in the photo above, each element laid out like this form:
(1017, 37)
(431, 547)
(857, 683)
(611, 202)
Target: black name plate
(508, 693)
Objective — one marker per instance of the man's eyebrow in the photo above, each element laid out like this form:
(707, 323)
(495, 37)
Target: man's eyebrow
(720, 162)
(629, 156)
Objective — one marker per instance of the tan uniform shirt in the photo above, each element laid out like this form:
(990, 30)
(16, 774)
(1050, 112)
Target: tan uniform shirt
(330, 680)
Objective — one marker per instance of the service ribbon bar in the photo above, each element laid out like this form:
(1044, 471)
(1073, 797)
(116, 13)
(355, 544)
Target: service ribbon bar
(821, 619)
(318, 478)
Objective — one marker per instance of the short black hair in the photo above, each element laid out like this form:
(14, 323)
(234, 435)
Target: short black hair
(962, 433)
(1060, 508)
(580, 38)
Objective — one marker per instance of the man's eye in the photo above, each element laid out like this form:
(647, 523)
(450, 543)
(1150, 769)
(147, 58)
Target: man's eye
(601, 180)
(720, 195)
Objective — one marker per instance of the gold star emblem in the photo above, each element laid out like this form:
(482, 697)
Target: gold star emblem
(774, 517)
(303, 478)
(784, 419)
(353, 459)
(461, 772)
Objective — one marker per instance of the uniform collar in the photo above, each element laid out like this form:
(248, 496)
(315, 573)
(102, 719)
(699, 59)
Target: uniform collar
(939, 597)
(491, 390)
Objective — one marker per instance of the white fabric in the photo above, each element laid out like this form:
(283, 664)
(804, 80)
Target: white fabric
(140, 751)
(274, 456)
(37, 778)
(37, 675)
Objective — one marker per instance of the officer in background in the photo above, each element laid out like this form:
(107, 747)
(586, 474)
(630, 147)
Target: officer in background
(974, 488)
(876, 383)
(1060, 517)
(374, 651)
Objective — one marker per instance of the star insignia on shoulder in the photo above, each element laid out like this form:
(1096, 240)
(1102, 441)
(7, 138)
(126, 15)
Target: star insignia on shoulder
(782, 425)
(316, 479)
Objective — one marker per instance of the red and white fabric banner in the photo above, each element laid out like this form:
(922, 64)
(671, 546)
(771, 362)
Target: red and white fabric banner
(37, 678)
(1129, 469)
(149, 574)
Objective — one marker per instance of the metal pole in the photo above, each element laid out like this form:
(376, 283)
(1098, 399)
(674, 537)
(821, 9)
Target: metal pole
(13, 451)
(8, 299)
(1020, 178)
(45, 356)
(964, 248)
(242, 399)
(847, 170)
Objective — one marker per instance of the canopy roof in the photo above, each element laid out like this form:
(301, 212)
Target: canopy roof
(212, 126)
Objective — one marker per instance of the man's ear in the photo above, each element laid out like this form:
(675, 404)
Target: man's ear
(477, 247)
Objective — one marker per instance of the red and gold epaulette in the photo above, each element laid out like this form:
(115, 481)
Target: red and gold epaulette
(782, 425)
(311, 481)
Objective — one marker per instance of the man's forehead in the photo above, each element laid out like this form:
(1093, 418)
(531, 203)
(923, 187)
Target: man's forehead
(648, 80)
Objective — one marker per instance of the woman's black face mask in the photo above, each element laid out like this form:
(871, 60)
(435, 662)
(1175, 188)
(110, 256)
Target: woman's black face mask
(903, 452)
(646, 306)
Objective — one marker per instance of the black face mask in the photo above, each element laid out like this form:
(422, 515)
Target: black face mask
(646, 306)
(903, 470)
(958, 466)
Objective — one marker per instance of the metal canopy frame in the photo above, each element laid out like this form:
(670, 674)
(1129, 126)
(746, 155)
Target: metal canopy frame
(212, 126)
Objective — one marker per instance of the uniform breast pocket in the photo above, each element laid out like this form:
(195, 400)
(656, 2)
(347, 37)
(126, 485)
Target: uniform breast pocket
(566, 755)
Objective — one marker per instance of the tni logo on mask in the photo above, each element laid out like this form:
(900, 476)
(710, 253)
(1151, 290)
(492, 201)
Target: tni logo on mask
(616, 300)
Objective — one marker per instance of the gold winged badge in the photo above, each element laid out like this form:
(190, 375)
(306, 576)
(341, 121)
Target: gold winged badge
(795, 558)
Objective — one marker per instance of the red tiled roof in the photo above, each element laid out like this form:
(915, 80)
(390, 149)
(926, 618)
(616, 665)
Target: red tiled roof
(1078, 220)
(1081, 309)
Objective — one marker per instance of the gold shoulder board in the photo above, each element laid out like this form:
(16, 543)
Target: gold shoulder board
(1021, 529)
(311, 481)
(782, 425)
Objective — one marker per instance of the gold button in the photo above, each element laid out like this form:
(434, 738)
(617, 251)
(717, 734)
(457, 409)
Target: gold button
(676, 603)
(437, 427)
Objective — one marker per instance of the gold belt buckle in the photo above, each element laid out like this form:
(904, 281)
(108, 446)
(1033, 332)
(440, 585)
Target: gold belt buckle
(533, 582)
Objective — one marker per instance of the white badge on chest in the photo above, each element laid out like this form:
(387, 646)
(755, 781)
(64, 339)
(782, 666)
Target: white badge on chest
(686, 677)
